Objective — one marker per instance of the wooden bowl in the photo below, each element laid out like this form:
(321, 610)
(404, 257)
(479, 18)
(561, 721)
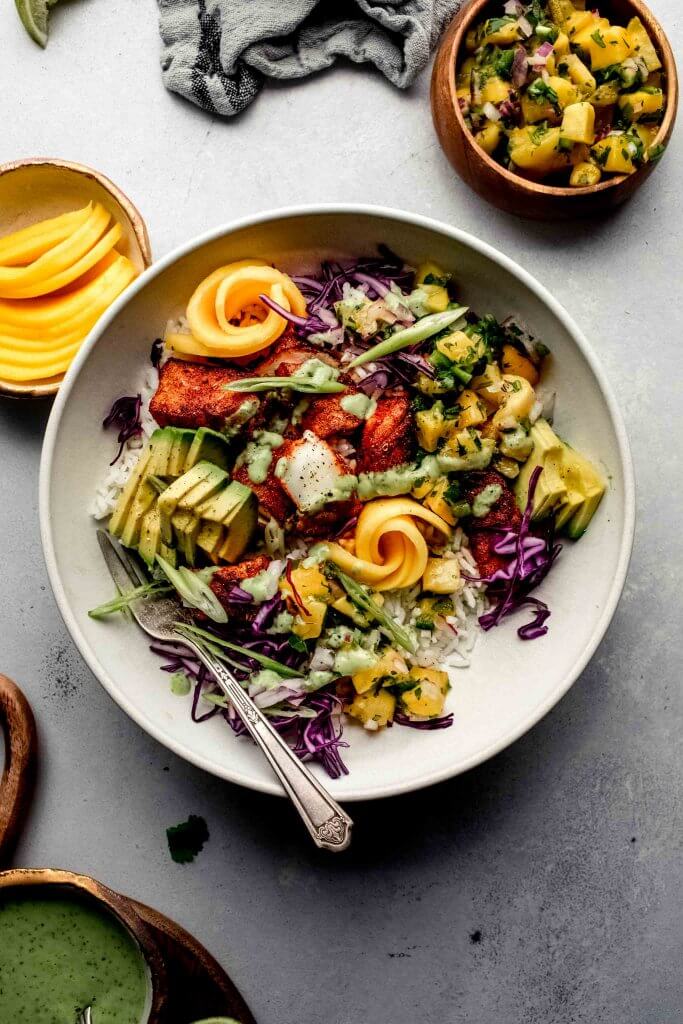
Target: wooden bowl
(510, 191)
(38, 188)
(110, 902)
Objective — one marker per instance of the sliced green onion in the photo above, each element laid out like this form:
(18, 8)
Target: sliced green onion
(425, 328)
(193, 590)
(362, 600)
(217, 641)
(302, 384)
(122, 601)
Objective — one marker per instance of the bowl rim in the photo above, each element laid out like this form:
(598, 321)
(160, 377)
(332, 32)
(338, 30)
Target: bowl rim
(464, 19)
(12, 389)
(153, 727)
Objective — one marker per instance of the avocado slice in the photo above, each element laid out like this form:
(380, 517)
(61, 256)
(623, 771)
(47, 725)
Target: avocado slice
(145, 496)
(569, 486)
(564, 512)
(169, 553)
(209, 446)
(210, 538)
(182, 444)
(584, 478)
(160, 447)
(551, 488)
(240, 526)
(123, 505)
(186, 527)
(205, 477)
(150, 536)
(220, 507)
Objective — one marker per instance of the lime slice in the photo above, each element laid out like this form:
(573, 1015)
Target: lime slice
(34, 15)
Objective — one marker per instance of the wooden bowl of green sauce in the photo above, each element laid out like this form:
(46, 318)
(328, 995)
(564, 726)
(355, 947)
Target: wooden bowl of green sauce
(68, 942)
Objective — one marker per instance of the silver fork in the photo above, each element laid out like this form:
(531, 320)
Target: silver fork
(85, 1016)
(329, 825)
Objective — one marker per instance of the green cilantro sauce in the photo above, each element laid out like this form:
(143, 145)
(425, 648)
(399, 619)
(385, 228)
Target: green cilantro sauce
(259, 453)
(359, 405)
(59, 954)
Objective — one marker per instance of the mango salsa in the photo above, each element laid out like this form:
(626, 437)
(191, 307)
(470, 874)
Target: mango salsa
(562, 104)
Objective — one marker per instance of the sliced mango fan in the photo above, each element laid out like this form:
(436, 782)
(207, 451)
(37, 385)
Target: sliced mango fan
(57, 277)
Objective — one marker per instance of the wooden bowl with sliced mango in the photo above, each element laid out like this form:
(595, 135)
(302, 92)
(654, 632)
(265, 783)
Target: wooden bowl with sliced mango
(70, 243)
(551, 111)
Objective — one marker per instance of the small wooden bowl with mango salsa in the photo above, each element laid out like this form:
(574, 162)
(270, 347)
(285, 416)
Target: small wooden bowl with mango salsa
(551, 111)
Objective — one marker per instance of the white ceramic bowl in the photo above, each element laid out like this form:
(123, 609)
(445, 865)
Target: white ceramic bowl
(511, 684)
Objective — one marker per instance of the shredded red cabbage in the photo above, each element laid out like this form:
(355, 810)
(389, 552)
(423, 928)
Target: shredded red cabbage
(532, 557)
(316, 738)
(266, 613)
(378, 380)
(124, 414)
(376, 273)
(444, 722)
(238, 596)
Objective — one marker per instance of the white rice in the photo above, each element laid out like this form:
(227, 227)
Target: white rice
(452, 645)
(108, 491)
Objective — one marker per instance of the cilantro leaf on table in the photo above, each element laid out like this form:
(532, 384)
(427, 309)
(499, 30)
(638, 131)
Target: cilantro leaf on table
(186, 839)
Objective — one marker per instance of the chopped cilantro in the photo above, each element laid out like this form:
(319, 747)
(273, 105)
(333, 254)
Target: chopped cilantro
(187, 839)
(597, 39)
(297, 644)
(539, 91)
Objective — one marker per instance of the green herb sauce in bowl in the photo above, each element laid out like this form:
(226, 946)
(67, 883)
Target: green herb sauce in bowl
(60, 952)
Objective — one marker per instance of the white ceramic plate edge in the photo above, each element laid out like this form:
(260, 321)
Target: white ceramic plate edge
(564, 684)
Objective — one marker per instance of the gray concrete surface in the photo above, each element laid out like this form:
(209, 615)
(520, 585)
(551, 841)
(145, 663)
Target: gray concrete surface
(544, 887)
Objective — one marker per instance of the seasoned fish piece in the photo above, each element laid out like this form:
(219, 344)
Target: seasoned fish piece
(270, 494)
(193, 395)
(388, 437)
(326, 417)
(287, 355)
(225, 578)
(312, 473)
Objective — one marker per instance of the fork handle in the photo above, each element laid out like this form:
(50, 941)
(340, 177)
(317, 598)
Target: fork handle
(328, 825)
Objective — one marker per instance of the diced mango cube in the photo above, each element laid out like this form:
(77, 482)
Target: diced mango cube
(609, 46)
(488, 138)
(495, 90)
(566, 91)
(615, 154)
(435, 501)
(442, 576)
(374, 710)
(538, 152)
(642, 45)
(578, 123)
(389, 664)
(580, 75)
(641, 105)
(514, 362)
(427, 698)
(584, 174)
(431, 427)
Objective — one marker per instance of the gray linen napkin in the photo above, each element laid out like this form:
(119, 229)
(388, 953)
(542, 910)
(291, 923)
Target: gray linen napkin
(218, 52)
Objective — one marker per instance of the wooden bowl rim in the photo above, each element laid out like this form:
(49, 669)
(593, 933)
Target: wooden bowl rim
(462, 22)
(10, 389)
(117, 905)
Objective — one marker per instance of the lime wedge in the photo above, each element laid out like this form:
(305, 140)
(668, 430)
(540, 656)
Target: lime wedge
(34, 15)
